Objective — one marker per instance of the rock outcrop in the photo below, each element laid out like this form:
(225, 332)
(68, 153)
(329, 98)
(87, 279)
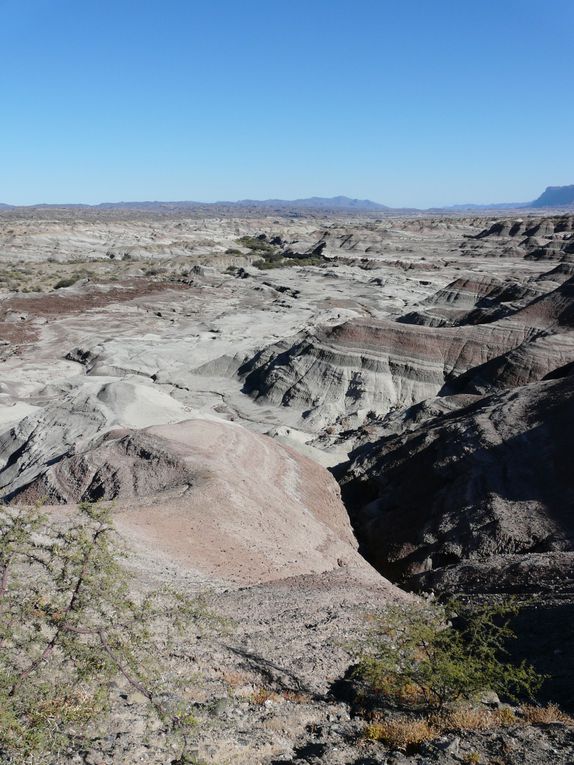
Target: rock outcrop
(364, 365)
(486, 489)
(555, 196)
(473, 300)
(68, 425)
(533, 238)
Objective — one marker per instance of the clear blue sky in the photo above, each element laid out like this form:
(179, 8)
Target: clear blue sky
(424, 102)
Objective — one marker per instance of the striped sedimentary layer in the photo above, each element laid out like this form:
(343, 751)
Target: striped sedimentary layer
(376, 365)
(370, 365)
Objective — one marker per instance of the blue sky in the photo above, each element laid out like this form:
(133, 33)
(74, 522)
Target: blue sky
(421, 103)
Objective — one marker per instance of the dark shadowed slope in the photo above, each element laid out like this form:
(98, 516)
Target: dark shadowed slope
(481, 499)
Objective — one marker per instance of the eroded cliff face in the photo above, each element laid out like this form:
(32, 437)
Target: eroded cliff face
(480, 499)
(365, 365)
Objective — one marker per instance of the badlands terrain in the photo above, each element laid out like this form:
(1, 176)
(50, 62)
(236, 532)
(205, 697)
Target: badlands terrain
(309, 417)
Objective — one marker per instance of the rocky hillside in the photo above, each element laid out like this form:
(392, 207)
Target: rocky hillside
(230, 505)
(492, 506)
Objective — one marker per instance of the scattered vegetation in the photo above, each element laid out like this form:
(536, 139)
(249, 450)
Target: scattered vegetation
(424, 668)
(273, 257)
(258, 244)
(67, 282)
(407, 732)
(70, 628)
(474, 718)
(430, 656)
(289, 262)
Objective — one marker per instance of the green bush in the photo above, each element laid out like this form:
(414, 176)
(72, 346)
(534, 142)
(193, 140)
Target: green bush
(257, 245)
(70, 627)
(67, 282)
(416, 655)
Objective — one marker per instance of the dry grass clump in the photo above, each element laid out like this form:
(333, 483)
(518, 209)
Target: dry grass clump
(401, 733)
(390, 687)
(236, 679)
(261, 695)
(296, 697)
(409, 732)
(549, 714)
(473, 718)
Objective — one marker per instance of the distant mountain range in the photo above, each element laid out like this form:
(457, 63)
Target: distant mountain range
(552, 197)
(314, 203)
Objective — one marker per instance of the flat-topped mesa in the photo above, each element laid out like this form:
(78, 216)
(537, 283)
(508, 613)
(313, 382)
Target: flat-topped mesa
(480, 499)
(555, 196)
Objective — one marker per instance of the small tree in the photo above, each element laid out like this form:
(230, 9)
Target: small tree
(416, 656)
(69, 626)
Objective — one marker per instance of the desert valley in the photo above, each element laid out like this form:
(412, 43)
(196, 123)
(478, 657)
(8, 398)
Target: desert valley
(306, 415)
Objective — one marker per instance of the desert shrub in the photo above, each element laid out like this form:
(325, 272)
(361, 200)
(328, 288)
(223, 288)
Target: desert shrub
(264, 265)
(70, 627)
(415, 655)
(68, 281)
(256, 244)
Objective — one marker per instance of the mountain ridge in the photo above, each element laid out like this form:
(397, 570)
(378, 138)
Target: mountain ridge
(555, 196)
(551, 197)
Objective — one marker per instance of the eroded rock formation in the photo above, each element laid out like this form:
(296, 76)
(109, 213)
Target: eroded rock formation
(485, 489)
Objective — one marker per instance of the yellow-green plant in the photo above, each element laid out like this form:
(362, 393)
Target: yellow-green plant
(416, 655)
(70, 627)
